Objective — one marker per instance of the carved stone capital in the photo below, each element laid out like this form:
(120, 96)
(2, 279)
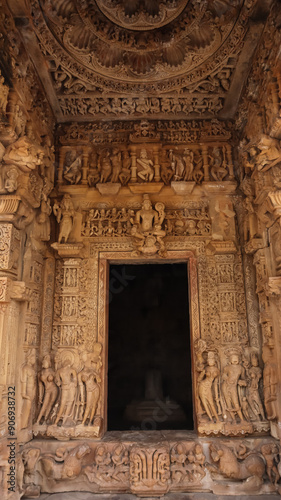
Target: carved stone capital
(10, 289)
(68, 250)
(8, 207)
(221, 247)
(253, 245)
(275, 199)
(273, 287)
(19, 291)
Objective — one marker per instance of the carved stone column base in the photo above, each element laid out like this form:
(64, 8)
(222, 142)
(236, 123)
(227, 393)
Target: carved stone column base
(228, 428)
(65, 433)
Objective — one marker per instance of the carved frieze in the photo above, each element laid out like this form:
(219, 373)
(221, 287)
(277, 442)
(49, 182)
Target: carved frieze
(147, 469)
(98, 107)
(175, 132)
(125, 222)
(145, 163)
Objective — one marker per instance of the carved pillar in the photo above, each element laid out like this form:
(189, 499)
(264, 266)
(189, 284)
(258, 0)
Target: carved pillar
(229, 162)
(85, 165)
(61, 164)
(268, 269)
(205, 163)
(134, 165)
(226, 347)
(273, 291)
(78, 355)
(157, 176)
(67, 331)
(10, 397)
(47, 306)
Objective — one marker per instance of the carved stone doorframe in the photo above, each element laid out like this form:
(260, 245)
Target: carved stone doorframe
(173, 256)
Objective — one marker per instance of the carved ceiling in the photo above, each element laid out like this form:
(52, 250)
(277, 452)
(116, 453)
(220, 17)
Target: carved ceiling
(151, 58)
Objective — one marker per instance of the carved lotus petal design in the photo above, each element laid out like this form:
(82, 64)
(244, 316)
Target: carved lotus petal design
(108, 56)
(141, 64)
(142, 14)
(59, 8)
(221, 7)
(174, 54)
(123, 41)
(201, 36)
(80, 37)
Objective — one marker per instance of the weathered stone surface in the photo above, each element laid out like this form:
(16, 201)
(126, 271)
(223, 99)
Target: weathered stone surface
(116, 145)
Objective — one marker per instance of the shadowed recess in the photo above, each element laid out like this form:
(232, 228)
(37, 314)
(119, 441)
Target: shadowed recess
(149, 372)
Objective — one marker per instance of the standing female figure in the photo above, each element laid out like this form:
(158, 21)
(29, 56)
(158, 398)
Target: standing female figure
(48, 390)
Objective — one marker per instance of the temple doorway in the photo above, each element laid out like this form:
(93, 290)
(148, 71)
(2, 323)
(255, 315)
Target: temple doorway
(149, 359)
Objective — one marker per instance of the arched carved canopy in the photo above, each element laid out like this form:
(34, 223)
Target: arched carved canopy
(114, 39)
(161, 58)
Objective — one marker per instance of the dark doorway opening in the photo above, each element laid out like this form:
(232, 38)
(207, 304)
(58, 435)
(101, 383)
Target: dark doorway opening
(149, 359)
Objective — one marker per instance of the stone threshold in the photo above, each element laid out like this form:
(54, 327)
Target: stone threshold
(170, 496)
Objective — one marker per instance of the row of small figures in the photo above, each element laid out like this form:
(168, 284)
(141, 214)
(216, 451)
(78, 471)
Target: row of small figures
(117, 167)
